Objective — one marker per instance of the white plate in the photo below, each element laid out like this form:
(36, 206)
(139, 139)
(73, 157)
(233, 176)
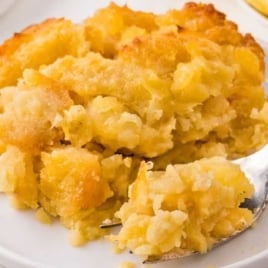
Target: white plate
(25, 243)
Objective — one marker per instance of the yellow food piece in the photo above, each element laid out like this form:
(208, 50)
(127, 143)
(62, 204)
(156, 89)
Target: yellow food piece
(76, 238)
(18, 177)
(39, 44)
(109, 25)
(82, 105)
(187, 206)
(42, 216)
(126, 265)
(29, 110)
(260, 5)
(74, 175)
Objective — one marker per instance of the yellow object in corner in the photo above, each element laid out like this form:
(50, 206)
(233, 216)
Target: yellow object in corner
(260, 5)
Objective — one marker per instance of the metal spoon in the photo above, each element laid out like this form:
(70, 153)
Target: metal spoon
(255, 168)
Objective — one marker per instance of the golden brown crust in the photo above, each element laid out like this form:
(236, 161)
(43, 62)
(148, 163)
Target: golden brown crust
(39, 44)
(29, 111)
(204, 20)
(161, 52)
(27, 34)
(106, 28)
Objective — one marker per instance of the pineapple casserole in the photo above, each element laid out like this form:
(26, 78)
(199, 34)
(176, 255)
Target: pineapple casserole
(133, 115)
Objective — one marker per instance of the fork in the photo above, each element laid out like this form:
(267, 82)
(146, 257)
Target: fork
(257, 173)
